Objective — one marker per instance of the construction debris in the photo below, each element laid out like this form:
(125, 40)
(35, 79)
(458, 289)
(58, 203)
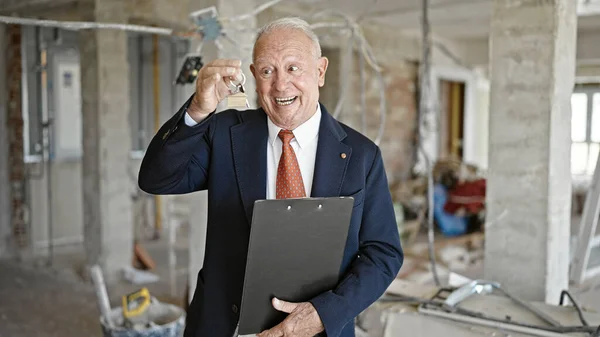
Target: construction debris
(162, 320)
(459, 198)
(142, 258)
(140, 315)
(137, 276)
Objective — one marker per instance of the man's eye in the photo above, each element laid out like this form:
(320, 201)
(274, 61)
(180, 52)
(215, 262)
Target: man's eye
(293, 68)
(267, 72)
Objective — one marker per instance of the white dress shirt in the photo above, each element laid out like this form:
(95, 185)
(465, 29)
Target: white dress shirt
(304, 143)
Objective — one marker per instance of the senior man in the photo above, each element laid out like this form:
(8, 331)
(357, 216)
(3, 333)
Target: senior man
(236, 156)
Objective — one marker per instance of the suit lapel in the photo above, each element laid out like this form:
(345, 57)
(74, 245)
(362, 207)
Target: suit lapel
(249, 143)
(330, 164)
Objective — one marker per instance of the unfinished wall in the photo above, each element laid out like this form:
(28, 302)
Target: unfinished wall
(480, 122)
(476, 54)
(61, 205)
(399, 87)
(393, 47)
(5, 212)
(476, 51)
(19, 228)
(400, 116)
(65, 217)
(530, 141)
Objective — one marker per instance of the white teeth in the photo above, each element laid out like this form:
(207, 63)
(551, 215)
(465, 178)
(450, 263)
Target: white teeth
(285, 100)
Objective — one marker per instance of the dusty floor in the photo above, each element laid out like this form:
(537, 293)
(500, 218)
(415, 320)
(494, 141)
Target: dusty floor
(36, 300)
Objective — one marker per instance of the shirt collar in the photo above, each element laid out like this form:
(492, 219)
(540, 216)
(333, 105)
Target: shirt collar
(304, 133)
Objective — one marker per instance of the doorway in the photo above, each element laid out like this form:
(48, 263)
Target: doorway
(452, 112)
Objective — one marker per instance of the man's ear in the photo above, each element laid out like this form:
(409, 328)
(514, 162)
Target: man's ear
(322, 64)
(253, 71)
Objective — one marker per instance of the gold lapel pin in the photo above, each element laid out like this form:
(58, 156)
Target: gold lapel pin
(343, 155)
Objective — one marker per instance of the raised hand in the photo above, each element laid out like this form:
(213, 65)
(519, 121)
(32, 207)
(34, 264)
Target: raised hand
(212, 86)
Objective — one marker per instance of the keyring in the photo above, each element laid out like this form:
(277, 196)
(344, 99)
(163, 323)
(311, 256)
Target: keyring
(238, 87)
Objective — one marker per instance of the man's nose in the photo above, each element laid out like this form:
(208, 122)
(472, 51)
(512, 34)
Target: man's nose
(281, 82)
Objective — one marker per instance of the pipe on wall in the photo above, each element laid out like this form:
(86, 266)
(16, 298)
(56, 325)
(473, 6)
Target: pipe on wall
(156, 93)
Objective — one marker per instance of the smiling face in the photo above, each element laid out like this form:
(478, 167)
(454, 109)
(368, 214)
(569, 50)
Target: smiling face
(288, 75)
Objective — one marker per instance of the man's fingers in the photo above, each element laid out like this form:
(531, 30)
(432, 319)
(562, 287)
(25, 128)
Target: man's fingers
(209, 84)
(223, 71)
(225, 63)
(276, 331)
(284, 306)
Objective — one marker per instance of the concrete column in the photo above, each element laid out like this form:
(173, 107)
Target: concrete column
(5, 210)
(107, 187)
(226, 8)
(529, 187)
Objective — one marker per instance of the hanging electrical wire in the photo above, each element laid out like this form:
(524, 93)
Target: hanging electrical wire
(366, 54)
(351, 24)
(208, 26)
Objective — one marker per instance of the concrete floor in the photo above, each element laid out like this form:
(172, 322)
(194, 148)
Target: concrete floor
(36, 300)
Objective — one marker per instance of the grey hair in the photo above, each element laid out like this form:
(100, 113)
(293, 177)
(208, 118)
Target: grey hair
(290, 23)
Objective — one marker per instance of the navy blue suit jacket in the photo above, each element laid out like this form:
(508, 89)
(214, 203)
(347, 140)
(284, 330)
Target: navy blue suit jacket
(227, 154)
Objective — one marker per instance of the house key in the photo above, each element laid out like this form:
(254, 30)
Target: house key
(238, 97)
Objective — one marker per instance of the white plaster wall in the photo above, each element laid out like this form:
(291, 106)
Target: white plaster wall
(65, 202)
(480, 122)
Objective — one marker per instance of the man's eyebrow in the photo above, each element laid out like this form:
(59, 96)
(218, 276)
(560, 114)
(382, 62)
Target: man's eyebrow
(288, 58)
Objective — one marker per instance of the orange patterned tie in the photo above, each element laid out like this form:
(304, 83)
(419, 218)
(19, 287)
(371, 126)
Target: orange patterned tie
(289, 179)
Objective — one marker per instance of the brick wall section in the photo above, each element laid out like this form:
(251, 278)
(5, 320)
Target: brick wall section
(20, 230)
(397, 145)
(400, 93)
(5, 207)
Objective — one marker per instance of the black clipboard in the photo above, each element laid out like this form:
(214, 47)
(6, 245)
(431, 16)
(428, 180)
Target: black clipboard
(295, 253)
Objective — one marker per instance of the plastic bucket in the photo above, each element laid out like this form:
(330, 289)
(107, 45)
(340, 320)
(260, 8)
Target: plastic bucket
(167, 321)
